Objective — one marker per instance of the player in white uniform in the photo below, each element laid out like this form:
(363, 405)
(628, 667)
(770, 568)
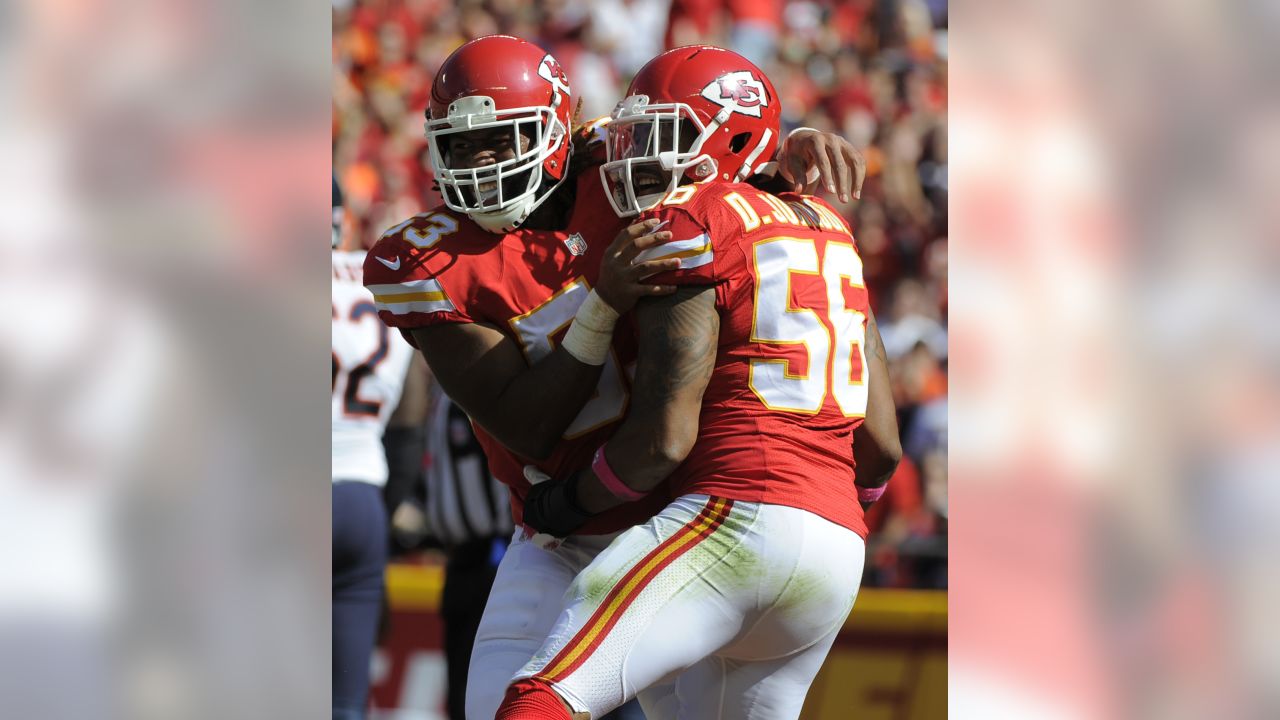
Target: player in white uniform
(370, 363)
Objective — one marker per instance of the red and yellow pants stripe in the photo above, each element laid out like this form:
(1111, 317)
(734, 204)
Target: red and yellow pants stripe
(623, 594)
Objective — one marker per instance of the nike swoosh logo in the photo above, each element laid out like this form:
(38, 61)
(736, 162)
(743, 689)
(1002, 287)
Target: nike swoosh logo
(393, 265)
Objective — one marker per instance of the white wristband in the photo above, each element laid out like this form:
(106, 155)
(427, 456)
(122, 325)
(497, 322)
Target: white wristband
(591, 332)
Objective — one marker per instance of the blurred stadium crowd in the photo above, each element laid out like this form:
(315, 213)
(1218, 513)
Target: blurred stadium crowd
(874, 71)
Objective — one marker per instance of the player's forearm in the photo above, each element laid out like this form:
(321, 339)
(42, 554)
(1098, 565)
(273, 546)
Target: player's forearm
(654, 444)
(643, 452)
(877, 449)
(876, 458)
(405, 449)
(526, 408)
(677, 350)
(537, 406)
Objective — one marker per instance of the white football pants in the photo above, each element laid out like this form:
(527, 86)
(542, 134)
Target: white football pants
(527, 596)
(735, 603)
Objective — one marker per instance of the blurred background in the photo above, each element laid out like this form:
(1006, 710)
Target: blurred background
(1115, 374)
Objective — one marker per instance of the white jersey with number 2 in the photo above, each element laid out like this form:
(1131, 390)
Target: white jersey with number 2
(369, 366)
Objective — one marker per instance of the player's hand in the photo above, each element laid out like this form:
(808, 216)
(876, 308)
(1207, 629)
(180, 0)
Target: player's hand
(622, 279)
(409, 524)
(551, 507)
(811, 159)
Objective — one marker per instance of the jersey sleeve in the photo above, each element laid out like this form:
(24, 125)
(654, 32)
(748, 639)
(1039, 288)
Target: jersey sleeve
(691, 242)
(406, 292)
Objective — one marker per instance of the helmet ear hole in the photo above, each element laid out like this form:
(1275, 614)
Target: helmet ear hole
(739, 141)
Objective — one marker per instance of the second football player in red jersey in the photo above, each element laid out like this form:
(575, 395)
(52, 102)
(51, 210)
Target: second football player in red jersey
(761, 401)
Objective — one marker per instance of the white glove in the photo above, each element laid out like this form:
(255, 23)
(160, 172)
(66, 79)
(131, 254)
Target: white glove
(534, 475)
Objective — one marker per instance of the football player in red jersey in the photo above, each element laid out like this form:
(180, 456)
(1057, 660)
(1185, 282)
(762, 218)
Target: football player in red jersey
(759, 384)
(511, 291)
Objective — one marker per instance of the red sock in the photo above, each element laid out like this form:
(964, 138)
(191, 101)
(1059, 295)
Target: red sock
(532, 700)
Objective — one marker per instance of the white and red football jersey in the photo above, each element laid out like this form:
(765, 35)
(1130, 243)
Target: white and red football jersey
(789, 385)
(369, 367)
(439, 267)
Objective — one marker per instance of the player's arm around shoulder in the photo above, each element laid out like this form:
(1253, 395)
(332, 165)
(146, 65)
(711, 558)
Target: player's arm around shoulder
(678, 336)
(808, 159)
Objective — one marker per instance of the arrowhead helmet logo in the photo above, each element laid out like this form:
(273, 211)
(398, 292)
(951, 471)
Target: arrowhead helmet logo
(551, 71)
(738, 92)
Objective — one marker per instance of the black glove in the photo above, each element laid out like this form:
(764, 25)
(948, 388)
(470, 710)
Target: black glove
(552, 507)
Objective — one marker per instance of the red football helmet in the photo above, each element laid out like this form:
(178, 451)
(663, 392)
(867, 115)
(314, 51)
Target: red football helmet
(699, 109)
(491, 83)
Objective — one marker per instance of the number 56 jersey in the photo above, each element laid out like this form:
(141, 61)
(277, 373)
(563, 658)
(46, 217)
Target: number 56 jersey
(789, 384)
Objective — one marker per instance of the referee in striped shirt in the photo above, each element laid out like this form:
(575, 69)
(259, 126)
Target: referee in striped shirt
(468, 511)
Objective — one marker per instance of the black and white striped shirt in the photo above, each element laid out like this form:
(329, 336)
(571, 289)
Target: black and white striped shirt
(465, 502)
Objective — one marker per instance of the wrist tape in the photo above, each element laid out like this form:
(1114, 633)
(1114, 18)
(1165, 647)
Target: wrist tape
(591, 332)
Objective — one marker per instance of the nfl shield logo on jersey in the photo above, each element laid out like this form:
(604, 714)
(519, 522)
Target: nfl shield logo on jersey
(576, 244)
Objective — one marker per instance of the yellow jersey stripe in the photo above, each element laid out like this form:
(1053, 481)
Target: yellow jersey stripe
(411, 297)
